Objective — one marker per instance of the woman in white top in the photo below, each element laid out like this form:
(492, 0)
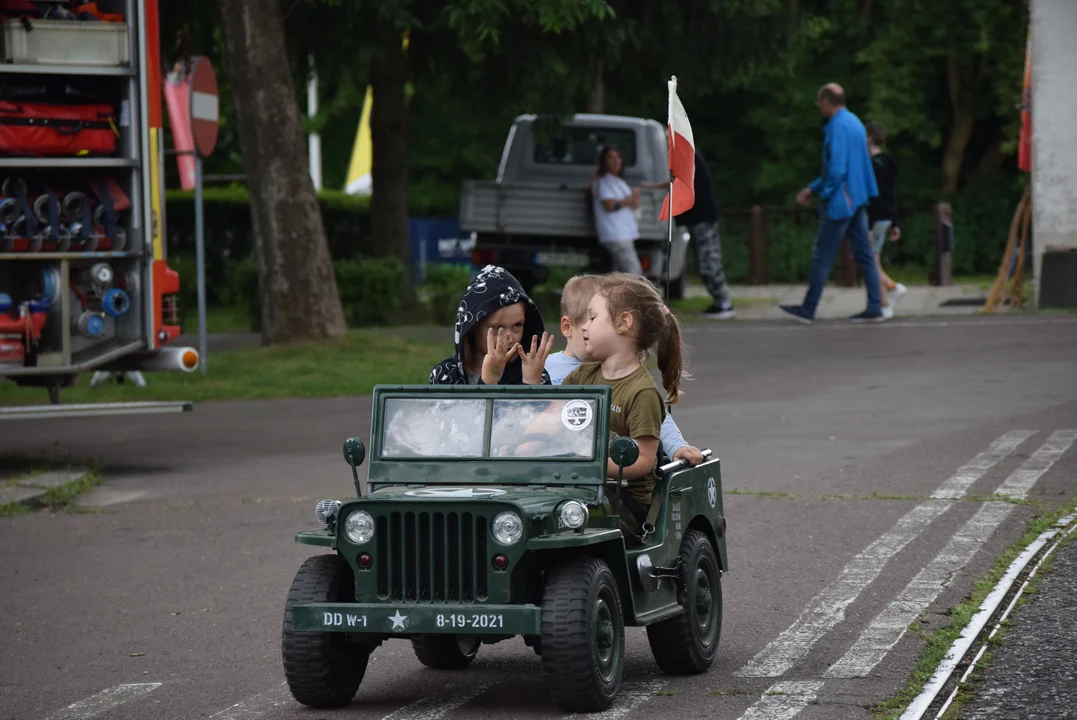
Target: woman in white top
(614, 206)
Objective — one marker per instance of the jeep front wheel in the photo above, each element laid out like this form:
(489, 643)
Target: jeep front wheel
(323, 669)
(686, 644)
(583, 635)
(446, 652)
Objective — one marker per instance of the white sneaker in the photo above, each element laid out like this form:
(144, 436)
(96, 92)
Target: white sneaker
(895, 294)
(888, 311)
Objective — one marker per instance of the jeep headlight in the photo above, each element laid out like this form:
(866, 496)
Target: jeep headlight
(573, 515)
(359, 527)
(508, 528)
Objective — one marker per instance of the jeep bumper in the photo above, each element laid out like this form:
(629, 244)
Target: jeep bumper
(409, 619)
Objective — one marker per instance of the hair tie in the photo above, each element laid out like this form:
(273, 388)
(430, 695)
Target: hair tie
(665, 310)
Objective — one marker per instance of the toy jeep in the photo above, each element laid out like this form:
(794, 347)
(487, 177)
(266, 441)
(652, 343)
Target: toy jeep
(475, 529)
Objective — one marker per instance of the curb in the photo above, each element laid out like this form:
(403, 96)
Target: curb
(30, 491)
(923, 702)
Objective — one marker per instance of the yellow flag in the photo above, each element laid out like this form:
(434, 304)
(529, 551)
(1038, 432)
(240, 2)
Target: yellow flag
(359, 181)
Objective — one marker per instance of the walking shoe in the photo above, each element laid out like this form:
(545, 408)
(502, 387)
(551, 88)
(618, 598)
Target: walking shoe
(897, 292)
(867, 317)
(797, 313)
(888, 312)
(719, 313)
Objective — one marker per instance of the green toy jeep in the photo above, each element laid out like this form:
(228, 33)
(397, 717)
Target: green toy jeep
(474, 530)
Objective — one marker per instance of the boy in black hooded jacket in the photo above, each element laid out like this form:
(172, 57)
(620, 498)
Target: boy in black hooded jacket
(500, 338)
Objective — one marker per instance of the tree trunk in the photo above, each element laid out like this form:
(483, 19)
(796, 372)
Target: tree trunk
(389, 164)
(295, 270)
(596, 94)
(964, 121)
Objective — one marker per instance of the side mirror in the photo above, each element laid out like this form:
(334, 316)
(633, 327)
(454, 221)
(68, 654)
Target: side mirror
(624, 451)
(354, 451)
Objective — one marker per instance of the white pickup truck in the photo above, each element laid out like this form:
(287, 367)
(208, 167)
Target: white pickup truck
(538, 212)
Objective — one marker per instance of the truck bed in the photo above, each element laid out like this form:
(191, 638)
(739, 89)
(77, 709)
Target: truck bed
(488, 206)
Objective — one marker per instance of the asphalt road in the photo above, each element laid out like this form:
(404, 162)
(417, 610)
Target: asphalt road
(167, 602)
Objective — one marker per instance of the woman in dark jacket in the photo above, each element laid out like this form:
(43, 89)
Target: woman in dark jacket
(882, 212)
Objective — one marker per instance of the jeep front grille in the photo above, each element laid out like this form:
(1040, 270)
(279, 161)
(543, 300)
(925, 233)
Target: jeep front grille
(432, 557)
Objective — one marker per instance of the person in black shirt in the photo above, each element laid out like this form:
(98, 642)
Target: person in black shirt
(882, 212)
(702, 223)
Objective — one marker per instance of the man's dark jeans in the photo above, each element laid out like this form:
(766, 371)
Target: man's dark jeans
(827, 242)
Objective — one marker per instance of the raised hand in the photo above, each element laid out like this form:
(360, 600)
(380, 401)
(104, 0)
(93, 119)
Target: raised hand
(533, 362)
(500, 349)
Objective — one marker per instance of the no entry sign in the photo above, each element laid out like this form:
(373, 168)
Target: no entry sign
(205, 106)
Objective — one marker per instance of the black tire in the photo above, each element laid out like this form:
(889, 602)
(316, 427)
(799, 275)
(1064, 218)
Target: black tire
(323, 669)
(583, 635)
(687, 644)
(446, 652)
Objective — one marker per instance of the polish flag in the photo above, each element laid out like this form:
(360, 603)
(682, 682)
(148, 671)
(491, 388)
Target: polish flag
(682, 157)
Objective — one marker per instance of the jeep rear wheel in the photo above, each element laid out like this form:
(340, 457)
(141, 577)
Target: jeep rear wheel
(323, 669)
(583, 635)
(446, 652)
(686, 644)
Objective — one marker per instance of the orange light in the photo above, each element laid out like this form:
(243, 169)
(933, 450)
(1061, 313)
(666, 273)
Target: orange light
(645, 262)
(189, 359)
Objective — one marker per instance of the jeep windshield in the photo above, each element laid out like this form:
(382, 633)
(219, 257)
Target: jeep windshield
(490, 428)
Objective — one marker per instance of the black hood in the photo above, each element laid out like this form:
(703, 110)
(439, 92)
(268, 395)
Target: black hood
(492, 289)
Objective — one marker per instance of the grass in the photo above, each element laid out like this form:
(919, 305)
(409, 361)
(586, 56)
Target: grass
(939, 642)
(350, 366)
(727, 693)
(761, 493)
(57, 499)
(219, 320)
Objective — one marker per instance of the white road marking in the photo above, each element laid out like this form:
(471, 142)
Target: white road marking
(889, 627)
(959, 483)
(1021, 481)
(632, 695)
(257, 705)
(783, 700)
(439, 705)
(827, 609)
(104, 701)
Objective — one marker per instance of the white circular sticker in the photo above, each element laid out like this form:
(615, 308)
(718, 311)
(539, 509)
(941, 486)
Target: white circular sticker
(576, 415)
(456, 492)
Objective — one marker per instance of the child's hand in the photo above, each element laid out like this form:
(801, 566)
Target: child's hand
(535, 361)
(689, 453)
(500, 350)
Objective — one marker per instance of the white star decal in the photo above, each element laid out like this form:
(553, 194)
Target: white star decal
(712, 492)
(399, 621)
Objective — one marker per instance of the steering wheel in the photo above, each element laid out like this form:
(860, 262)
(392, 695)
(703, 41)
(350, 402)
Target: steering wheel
(544, 438)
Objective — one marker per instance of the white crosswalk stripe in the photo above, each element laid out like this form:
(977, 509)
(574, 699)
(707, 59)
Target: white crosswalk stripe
(890, 625)
(104, 701)
(256, 706)
(827, 609)
(783, 700)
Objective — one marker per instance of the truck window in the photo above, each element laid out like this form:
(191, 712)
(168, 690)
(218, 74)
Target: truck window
(580, 146)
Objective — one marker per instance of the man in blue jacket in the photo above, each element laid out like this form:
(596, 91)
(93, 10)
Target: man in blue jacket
(844, 188)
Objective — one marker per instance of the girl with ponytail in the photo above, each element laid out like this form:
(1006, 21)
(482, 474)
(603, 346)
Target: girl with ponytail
(626, 319)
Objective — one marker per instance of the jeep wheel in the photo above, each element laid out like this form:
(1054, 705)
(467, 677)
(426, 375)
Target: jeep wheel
(583, 635)
(446, 652)
(687, 644)
(323, 669)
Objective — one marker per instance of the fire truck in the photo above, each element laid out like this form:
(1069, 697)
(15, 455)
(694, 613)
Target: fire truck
(85, 284)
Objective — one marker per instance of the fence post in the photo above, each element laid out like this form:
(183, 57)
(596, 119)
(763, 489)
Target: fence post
(758, 270)
(942, 270)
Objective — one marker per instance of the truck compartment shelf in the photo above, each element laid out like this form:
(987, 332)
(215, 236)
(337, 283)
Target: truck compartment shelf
(66, 162)
(49, 69)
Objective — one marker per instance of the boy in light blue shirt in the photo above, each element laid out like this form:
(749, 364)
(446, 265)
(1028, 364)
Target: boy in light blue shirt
(574, 299)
